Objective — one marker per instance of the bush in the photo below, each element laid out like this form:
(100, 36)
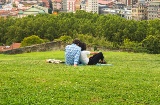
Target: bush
(46, 40)
(132, 46)
(95, 41)
(31, 40)
(65, 39)
(152, 44)
(102, 42)
(88, 39)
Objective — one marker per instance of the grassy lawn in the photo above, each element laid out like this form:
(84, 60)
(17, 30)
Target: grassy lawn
(26, 79)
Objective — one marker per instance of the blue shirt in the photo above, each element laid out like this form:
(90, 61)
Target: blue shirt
(72, 54)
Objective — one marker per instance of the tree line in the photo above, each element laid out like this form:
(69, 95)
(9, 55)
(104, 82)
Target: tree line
(114, 31)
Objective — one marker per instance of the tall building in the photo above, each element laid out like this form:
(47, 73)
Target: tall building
(57, 4)
(133, 2)
(126, 2)
(77, 4)
(139, 12)
(73, 5)
(64, 5)
(83, 5)
(154, 10)
(70, 5)
(92, 6)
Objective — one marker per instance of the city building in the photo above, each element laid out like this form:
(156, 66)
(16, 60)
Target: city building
(101, 8)
(153, 10)
(83, 5)
(34, 10)
(128, 14)
(109, 11)
(64, 5)
(73, 5)
(57, 5)
(139, 11)
(129, 9)
(92, 6)
(77, 5)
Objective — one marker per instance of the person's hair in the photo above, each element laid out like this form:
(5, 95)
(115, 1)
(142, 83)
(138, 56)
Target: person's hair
(77, 42)
(83, 46)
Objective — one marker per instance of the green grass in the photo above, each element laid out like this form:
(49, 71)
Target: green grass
(25, 79)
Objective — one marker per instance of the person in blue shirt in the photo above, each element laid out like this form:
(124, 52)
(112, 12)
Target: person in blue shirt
(72, 53)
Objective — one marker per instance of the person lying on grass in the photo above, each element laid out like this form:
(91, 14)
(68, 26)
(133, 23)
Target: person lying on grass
(97, 57)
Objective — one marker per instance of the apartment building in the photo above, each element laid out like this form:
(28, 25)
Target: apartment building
(159, 13)
(92, 6)
(34, 10)
(83, 5)
(126, 2)
(2, 1)
(70, 6)
(147, 1)
(64, 5)
(139, 11)
(154, 10)
(77, 5)
(73, 5)
(57, 4)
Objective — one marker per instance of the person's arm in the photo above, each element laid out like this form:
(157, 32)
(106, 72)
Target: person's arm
(76, 59)
(75, 65)
(92, 53)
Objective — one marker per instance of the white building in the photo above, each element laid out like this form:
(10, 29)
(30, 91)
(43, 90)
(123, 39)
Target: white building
(92, 6)
(7, 7)
(64, 5)
(153, 10)
(71, 6)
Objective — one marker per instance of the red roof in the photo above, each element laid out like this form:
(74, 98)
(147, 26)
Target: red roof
(16, 45)
(12, 46)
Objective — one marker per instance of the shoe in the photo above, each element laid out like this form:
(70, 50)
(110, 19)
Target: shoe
(102, 62)
(49, 61)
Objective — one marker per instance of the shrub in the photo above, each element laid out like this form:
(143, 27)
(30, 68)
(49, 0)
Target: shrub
(95, 41)
(132, 46)
(102, 42)
(152, 44)
(31, 40)
(46, 40)
(65, 39)
(88, 39)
